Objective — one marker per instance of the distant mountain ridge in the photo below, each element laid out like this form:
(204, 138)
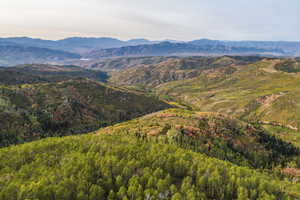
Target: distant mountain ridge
(17, 54)
(86, 44)
(24, 50)
(168, 48)
(290, 47)
(74, 44)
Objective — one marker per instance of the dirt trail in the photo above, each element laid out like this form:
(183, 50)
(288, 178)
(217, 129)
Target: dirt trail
(270, 68)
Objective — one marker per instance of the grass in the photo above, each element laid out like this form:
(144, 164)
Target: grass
(238, 93)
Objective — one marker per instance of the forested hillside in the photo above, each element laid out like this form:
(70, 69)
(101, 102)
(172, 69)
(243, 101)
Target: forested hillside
(42, 73)
(213, 134)
(34, 111)
(125, 167)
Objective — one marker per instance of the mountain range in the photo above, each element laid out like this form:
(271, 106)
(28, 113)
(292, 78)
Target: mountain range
(74, 44)
(11, 54)
(183, 49)
(291, 48)
(24, 50)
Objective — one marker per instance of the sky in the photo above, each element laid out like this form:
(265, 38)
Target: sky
(152, 19)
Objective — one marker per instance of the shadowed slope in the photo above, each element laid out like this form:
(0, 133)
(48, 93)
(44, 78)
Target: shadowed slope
(42, 73)
(75, 106)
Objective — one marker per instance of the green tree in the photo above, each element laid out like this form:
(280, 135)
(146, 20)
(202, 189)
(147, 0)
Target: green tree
(242, 194)
(177, 196)
(96, 192)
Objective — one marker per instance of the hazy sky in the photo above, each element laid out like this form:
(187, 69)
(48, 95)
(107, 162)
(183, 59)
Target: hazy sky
(152, 19)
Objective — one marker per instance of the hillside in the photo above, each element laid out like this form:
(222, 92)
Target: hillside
(123, 167)
(117, 64)
(168, 48)
(35, 111)
(213, 134)
(17, 54)
(263, 92)
(43, 73)
(172, 69)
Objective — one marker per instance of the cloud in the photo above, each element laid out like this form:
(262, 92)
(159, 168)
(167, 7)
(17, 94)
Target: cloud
(156, 19)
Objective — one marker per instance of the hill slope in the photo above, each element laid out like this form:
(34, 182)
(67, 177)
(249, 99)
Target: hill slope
(30, 112)
(117, 64)
(42, 73)
(260, 92)
(122, 167)
(213, 134)
(171, 69)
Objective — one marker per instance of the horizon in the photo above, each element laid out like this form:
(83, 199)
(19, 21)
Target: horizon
(155, 20)
(140, 38)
